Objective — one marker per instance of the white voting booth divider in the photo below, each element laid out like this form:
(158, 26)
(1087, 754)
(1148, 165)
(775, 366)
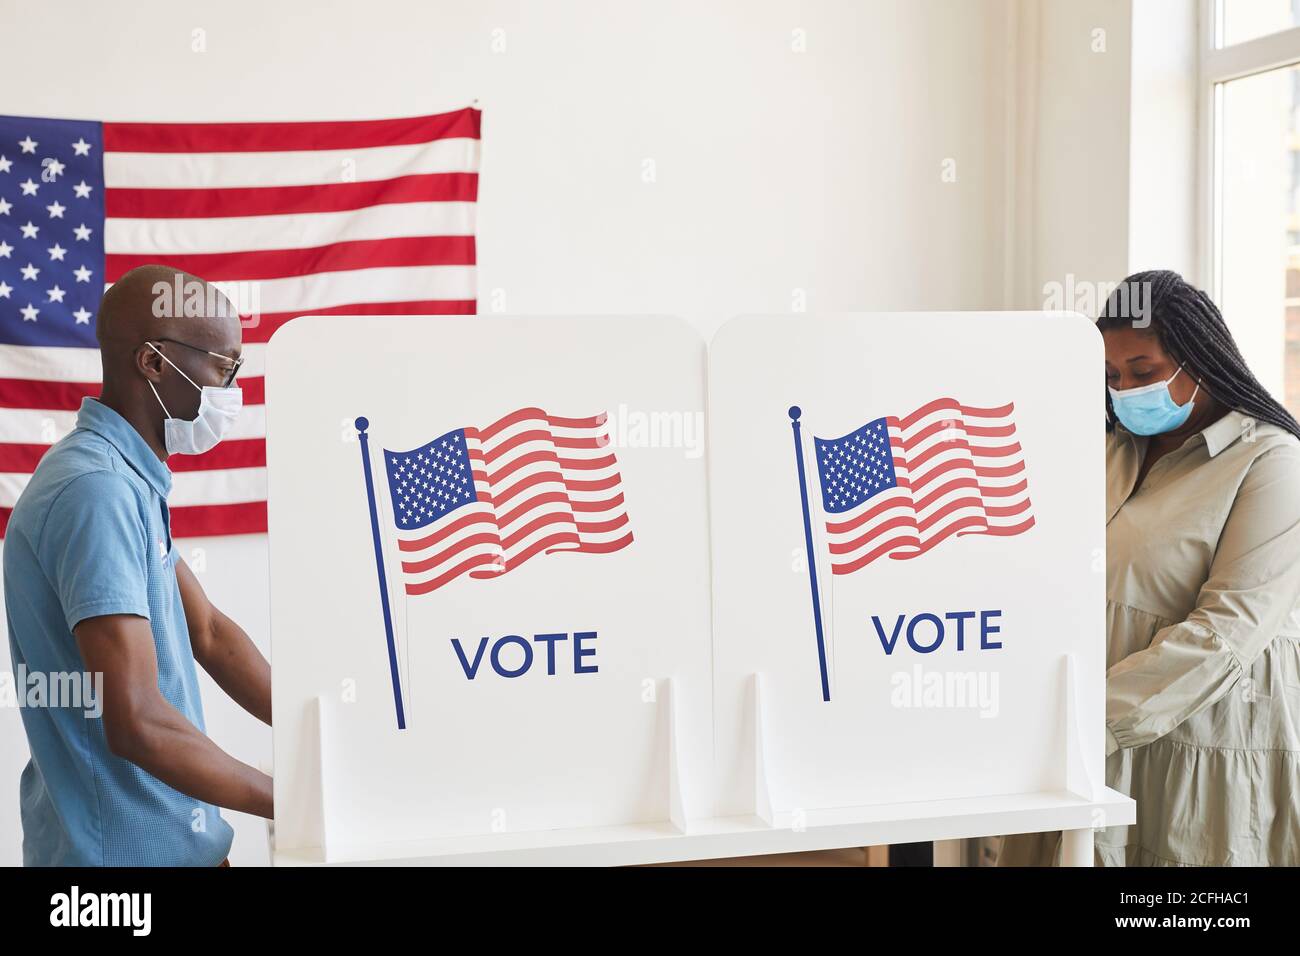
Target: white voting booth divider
(526, 608)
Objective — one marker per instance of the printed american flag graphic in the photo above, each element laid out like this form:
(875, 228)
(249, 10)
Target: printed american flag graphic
(482, 501)
(900, 486)
(358, 217)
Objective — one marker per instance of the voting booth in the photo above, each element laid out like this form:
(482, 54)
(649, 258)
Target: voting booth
(582, 590)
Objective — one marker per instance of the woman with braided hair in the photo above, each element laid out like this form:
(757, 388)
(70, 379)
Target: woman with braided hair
(1202, 587)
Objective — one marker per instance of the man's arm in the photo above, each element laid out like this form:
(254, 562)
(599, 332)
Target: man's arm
(223, 649)
(142, 727)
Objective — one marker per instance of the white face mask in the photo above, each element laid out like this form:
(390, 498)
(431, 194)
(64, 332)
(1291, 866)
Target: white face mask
(218, 409)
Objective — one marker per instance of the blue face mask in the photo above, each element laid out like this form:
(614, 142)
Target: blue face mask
(1150, 410)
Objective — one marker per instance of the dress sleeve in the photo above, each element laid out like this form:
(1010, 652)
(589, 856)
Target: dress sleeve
(1253, 585)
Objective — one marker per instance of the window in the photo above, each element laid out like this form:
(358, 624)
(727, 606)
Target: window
(1250, 84)
(1242, 20)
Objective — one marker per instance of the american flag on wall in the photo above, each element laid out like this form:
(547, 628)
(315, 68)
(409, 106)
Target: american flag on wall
(482, 501)
(366, 217)
(900, 486)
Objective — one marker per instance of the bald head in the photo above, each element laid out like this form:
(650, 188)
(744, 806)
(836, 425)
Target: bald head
(161, 301)
(162, 332)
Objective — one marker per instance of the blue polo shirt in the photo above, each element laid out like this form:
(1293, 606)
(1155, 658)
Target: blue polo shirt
(90, 536)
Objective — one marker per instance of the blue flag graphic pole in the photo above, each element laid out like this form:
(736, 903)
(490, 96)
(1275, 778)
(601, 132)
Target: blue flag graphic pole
(795, 412)
(362, 424)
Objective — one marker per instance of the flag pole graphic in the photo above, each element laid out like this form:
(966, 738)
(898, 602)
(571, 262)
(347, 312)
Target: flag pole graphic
(795, 412)
(362, 424)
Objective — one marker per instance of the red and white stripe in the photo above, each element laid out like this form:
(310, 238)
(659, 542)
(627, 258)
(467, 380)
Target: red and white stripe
(959, 469)
(367, 217)
(545, 484)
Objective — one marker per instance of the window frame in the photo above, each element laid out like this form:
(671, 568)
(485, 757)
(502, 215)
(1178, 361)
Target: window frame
(1218, 65)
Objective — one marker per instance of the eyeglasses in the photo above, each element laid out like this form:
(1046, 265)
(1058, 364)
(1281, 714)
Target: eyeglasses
(230, 376)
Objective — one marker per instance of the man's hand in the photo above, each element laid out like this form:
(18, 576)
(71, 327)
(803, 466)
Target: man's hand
(223, 649)
(141, 726)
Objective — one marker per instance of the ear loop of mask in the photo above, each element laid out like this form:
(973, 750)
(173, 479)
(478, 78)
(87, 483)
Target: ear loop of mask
(160, 401)
(173, 365)
(1194, 391)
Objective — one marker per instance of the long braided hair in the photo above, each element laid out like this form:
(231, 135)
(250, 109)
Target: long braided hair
(1191, 329)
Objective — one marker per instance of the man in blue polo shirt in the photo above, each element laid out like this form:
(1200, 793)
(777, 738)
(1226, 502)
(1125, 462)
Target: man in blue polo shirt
(94, 585)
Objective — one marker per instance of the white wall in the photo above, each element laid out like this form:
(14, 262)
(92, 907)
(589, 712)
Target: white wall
(781, 176)
(1163, 139)
(1109, 151)
(1076, 184)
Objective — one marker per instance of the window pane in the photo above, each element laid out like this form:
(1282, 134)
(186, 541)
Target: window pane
(1247, 19)
(1258, 220)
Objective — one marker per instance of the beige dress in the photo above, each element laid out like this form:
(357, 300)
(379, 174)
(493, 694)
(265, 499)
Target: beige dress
(1203, 653)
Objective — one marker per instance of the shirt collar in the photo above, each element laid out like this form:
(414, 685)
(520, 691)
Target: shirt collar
(1217, 436)
(1224, 432)
(97, 417)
